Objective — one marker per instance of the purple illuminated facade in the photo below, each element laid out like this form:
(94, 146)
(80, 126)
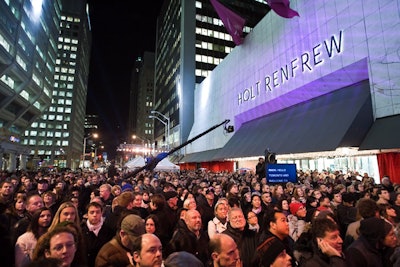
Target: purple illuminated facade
(285, 66)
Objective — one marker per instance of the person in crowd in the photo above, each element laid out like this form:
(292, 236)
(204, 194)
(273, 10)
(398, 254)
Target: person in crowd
(147, 251)
(383, 196)
(190, 237)
(346, 212)
(116, 190)
(219, 223)
(374, 246)
(6, 192)
(296, 219)
(66, 212)
(326, 245)
(60, 243)
(224, 251)
(388, 213)
(311, 206)
(276, 224)
(117, 251)
(157, 208)
(252, 221)
(260, 168)
(137, 205)
(232, 190)
(49, 201)
(299, 194)
(123, 205)
(278, 193)
(152, 224)
(106, 198)
(272, 253)
(190, 204)
(14, 213)
(33, 203)
(26, 243)
(267, 201)
(95, 233)
(324, 203)
(257, 208)
(245, 239)
(171, 207)
(336, 200)
(283, 205)
(366, 208)
(182, 259)
(206, 206)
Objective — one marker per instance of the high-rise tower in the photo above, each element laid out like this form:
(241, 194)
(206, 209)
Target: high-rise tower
(191, 42)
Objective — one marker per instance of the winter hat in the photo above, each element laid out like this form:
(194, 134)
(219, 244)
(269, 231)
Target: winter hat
(268, 251)
(374, 229)
(133, 225)
(127, 187)
(294, 207)
(170, 194)
(182, 259)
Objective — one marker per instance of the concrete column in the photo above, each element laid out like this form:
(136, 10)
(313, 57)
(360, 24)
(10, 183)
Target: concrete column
(12, 162)
(22, 161)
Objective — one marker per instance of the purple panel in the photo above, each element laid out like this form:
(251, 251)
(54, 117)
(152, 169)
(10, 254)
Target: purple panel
(349, 75)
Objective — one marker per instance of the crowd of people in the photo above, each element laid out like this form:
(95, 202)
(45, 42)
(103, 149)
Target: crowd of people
(197, 218)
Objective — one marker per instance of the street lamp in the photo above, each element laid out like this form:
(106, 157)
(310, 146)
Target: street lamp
(165, 129)
(134, 136)
(95, 135)
(166, 124)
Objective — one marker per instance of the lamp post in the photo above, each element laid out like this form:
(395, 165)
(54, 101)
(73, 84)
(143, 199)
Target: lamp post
(95, 135)
(166, 124)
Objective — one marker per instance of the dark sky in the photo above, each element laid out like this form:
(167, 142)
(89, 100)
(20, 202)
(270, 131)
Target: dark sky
(121, 31)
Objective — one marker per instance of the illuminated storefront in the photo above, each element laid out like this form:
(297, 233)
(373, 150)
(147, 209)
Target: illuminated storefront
(307, 88)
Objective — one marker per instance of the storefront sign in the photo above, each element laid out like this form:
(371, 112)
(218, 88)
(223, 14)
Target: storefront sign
(305, 63)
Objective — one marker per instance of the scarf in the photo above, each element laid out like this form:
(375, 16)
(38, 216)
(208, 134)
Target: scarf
(95, 228)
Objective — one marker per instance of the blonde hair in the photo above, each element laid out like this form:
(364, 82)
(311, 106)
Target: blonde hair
(56, 219)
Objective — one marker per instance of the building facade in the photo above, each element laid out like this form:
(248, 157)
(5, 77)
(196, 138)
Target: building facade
(191, 42)
(56, 137)
(142, 99)
(29, 33)
(326, 81)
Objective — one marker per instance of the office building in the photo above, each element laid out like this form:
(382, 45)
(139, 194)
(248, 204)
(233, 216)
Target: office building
(55, 138)
(191, 42)
(141, 101)
(29, 33)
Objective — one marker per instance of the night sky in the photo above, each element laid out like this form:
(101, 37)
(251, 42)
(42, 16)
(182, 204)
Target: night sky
(121, 31)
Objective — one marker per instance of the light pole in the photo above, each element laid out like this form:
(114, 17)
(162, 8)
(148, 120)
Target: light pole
(95, 135)
(166, 127)
(166, 124)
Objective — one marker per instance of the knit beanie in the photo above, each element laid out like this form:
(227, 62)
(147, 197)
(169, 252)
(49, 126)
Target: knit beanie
(294, 207)
(268, 251)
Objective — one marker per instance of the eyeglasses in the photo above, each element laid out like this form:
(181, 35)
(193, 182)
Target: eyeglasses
(68, 246)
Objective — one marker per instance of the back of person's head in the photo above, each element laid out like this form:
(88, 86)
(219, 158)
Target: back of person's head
(233, 202)
(159, 201)
(125, 198)
(374, 230)
(367, 208)
(182, 259)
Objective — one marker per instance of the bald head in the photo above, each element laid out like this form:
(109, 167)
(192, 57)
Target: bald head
(193, 220)
(224, 251)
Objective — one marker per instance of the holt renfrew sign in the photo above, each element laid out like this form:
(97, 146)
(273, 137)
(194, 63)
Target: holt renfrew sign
(305, 63)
